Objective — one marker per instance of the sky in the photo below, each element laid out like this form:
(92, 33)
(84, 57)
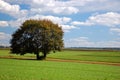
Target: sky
(86, 23)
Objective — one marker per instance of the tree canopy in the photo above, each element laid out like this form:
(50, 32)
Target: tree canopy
(35, 36)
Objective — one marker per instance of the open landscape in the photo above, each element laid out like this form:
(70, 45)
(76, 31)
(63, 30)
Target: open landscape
(59, 40)
(65, 65)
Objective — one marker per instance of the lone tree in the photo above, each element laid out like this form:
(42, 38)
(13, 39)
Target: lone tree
(35, 36)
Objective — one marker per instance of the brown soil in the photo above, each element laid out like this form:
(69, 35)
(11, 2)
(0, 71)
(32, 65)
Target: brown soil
(88, 62)
(63, 60)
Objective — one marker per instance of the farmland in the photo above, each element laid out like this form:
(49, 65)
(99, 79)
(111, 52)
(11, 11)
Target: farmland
(65, 65)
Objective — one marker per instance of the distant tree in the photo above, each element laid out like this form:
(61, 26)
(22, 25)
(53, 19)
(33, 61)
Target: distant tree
(35, 36)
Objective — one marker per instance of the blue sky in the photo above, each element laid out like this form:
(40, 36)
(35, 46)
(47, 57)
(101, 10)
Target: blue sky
(86, 23)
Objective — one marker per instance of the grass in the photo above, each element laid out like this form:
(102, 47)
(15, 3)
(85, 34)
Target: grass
(12, 69)
(103, 56)
(16, 68)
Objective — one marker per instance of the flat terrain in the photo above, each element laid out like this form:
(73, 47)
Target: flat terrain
(97, 56)
(66, 65)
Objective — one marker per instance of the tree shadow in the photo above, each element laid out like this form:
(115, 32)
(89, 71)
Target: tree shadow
(18, 58)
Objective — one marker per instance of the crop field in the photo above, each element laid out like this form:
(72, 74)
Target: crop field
(65, 65)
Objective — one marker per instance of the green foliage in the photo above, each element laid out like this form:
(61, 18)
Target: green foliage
(36, 36)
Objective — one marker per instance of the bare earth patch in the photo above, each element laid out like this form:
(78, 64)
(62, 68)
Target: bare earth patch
(63, 60)
(78, 61)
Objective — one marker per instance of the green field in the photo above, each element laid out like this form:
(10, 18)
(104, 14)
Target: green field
(103, 56)
(15, 67)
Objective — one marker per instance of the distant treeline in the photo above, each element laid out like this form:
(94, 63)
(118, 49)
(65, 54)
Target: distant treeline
(4, 47)
(92, 48)
(78, 48)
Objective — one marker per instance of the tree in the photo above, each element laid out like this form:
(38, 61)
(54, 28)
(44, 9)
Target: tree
(35, 36)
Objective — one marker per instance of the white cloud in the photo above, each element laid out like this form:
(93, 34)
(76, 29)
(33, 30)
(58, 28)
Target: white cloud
(115, 29)
(99, 5)
(108, 44)
(18, 1)
(66, 28)
(39, 8)
(52, 6)
(84, 42)
(43, 2)
(75, 6)
(4, 35)
(110, 19)
(13, 10)
(77, 23)
(65, 10)
(3, 23)
(59, 20)
(17, 23)
(4, 39)
(79, 42)
(54, 10)
(7, 7)
(63, 7)
(62, 21)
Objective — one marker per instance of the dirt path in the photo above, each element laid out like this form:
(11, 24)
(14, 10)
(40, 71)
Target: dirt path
(63, 60)
(78, 61)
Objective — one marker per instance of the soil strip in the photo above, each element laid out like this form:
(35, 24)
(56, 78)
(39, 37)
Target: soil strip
(78, 61)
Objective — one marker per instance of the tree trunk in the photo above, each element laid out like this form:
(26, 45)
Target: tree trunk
(44, 55)
(37, 56)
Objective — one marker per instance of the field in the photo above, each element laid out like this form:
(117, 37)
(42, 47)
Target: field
(65, 65)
